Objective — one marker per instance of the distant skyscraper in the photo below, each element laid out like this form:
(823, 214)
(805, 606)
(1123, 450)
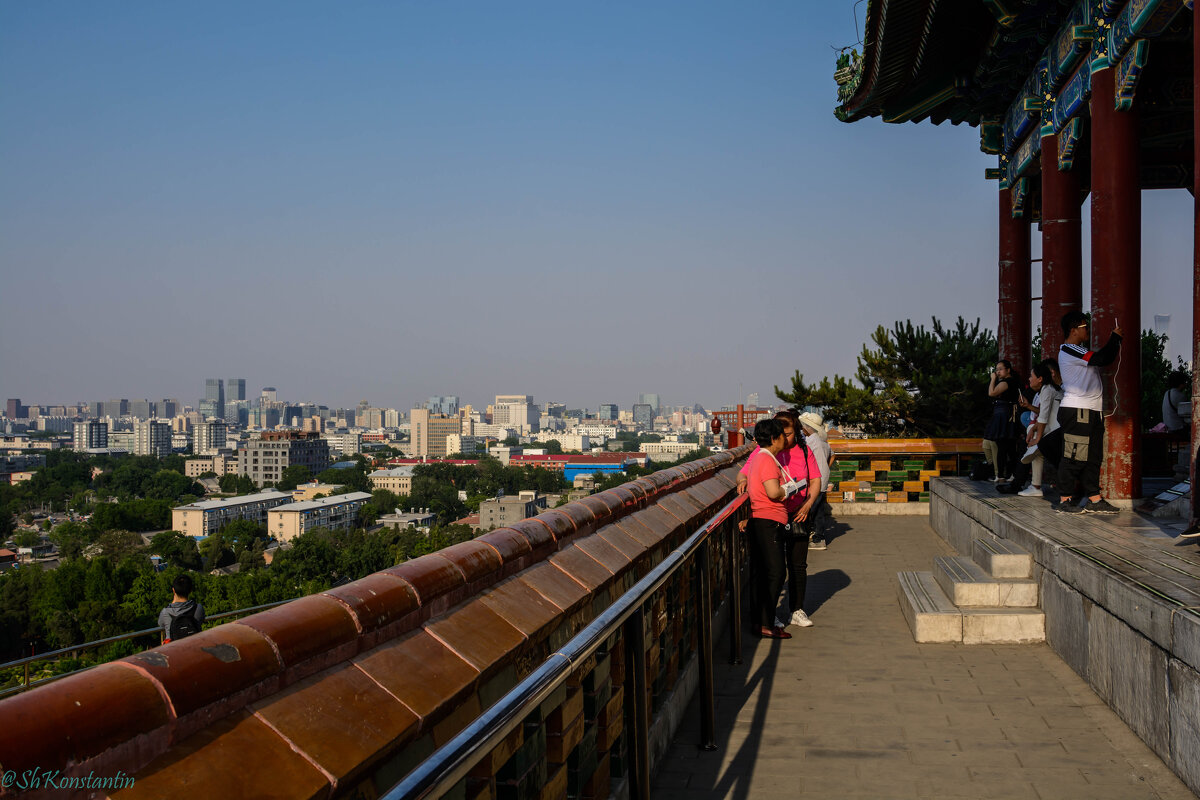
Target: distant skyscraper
(607, 411)
(269, 395)
(447, 405)
(235, 390)
(643, 414)
(752, 400)
(650, 400)
(15, 410)
(213, 404)
(141, 409)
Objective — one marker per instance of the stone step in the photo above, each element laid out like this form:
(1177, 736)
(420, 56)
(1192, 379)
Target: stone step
(933, 618)
(1003, 625)
(966, 584)
(1001, 558)
(930, 614)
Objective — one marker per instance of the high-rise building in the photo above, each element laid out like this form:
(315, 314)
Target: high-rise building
(141, 409)
(89, 435)
(167, 408)
(446, 406)
(213, 404)
(269, 395)
(14, 409)
(428, 432)
(152, 438)
(209, 437)
(235, 390)
(643, 415)
(650, 400)
(607, 411)
(516, 411)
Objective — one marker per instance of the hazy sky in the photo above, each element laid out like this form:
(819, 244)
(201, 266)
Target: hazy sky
(385, 201)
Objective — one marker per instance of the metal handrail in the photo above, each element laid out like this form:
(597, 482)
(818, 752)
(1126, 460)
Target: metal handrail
(26, 684)
(451, 763)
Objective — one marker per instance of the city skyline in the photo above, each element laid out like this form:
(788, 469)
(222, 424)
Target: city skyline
(399, 201)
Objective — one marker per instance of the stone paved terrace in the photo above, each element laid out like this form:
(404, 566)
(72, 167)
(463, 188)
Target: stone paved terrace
(853, 707)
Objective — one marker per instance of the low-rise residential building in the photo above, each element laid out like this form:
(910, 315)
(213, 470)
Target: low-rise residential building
(419, 518)
(668, 451)
(502, 511)
(209, 516)
(219, 464)
(309, 491)
(339, 512)
(397, 479)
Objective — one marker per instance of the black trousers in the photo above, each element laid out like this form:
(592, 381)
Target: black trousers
(1082, 453)
(795, 555)
(767, 555)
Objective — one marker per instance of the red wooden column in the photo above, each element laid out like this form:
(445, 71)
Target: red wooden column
(1013, 330)
(1195, 263)
(1116, 281)
(1062, 246)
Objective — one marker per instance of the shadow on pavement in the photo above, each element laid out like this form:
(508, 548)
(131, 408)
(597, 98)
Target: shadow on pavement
(822, 586)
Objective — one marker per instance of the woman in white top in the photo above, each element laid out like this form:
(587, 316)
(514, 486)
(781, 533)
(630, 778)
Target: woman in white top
(1044, 380)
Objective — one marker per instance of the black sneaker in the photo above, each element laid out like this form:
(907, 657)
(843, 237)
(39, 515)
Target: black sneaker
(1101, 506)
(1191, 532)
(1068, 508)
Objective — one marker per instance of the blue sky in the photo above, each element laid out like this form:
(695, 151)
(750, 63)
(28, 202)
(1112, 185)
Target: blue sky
(385, 201)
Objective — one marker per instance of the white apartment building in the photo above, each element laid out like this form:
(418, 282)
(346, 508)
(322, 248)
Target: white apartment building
(668, 451)
(152, 438)
(597, 434)
(209, 437)
(92, 434)
(516, 411)
(571, 441)
(348, 443)
(457, 443)
(501, 432)
(209, 516)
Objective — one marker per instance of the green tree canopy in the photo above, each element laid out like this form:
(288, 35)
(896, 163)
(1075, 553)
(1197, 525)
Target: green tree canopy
(918, 382)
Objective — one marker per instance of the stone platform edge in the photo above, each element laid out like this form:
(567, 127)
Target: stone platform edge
(1138, 649)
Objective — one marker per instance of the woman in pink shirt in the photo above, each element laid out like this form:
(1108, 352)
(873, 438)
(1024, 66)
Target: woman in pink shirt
(798, 462)
(768, 515)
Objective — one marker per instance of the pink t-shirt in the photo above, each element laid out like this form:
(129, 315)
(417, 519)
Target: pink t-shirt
(762, 468)
(793, 459)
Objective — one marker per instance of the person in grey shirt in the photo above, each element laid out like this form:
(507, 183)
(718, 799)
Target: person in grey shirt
(816, 437)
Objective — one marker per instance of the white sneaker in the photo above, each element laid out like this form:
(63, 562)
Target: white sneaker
(1030, 491)
(1030, 454)
(800, 619)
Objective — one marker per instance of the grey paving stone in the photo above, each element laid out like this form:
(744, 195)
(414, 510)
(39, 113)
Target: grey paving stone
(854, 708)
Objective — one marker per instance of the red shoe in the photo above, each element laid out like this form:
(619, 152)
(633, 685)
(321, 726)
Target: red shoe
(773, 633)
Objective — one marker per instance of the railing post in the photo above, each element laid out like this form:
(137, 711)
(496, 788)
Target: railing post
(636, 705)
(26, 686)
(708, 714)
(735, 596)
